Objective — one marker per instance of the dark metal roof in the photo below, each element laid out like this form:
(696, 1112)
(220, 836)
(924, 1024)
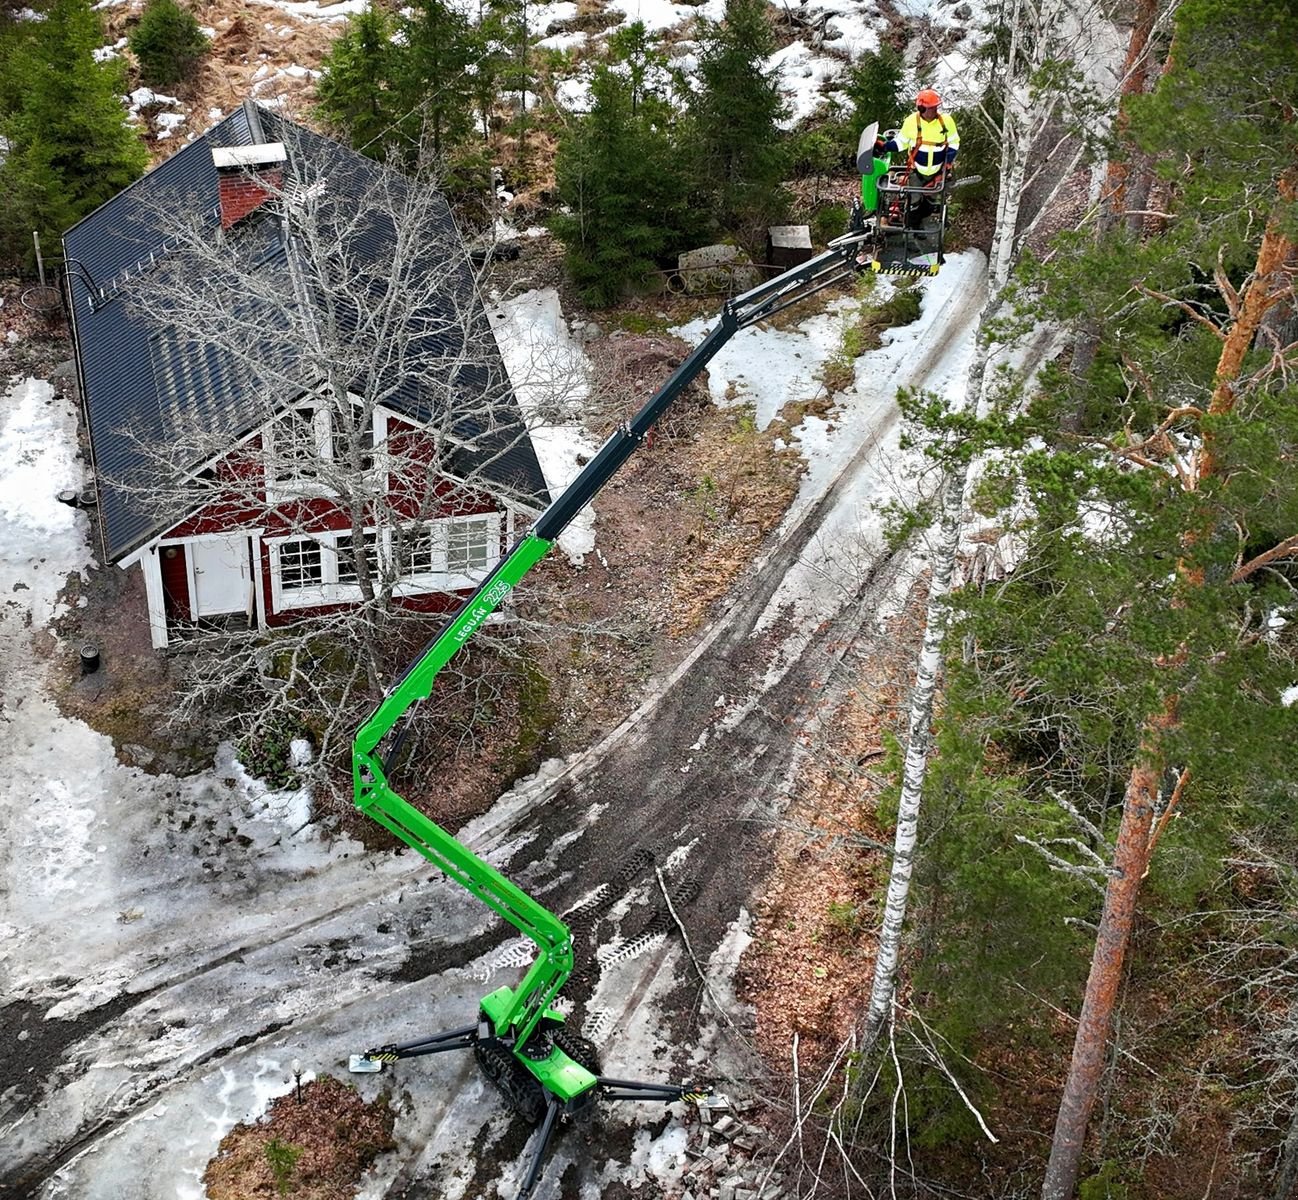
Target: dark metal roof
(143, 382)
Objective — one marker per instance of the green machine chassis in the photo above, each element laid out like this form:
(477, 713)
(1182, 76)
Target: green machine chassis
(519, 1036)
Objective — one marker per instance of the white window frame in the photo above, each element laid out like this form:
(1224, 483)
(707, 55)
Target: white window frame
(332, 591)
(329, 590)
(441, 578)
(295, 487)
(378, 546)
(285, 597)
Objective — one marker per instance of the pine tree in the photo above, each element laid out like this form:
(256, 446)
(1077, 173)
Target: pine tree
(739, 147)
(1129, 671)
(1222, 126)
(167, 43)
(70, 147)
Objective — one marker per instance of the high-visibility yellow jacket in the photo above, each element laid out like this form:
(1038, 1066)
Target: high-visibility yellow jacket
(934, 142)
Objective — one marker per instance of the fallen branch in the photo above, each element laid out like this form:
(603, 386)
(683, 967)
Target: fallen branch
(689, 950)
(940, 1063)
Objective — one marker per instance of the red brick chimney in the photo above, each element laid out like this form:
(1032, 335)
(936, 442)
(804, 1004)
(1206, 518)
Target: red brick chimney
(246, 177)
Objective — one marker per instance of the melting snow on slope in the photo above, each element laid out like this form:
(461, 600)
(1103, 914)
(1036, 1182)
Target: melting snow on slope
(42, 541)
(548, 371)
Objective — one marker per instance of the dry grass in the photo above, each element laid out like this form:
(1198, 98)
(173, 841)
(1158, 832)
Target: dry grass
(743, 487)
(250, 46)
(813, 954)
(313, 1149)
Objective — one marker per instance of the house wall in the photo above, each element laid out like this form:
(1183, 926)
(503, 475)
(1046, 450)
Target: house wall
(175, 583)
(409, 496)
(243, 464)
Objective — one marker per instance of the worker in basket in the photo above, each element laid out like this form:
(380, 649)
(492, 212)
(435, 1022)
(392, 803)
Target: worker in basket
(929, 140)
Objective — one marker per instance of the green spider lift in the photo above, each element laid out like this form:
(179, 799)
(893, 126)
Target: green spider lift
(519, 1038)
(896, 240)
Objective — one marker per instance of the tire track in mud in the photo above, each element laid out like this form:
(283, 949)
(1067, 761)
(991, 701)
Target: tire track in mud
(636, 768)
(639, 761)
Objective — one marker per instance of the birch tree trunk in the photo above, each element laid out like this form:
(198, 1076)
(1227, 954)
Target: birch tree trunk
(1015, 142)
(1287, 1174)
(918, 739)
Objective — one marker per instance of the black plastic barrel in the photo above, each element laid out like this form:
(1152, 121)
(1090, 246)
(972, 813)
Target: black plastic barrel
(89, 659)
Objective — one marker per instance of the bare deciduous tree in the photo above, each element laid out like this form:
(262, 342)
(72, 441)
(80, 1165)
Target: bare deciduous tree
(1046, 42)
(297, 339)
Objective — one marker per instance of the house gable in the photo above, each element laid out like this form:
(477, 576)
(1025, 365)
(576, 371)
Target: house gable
(145, 387)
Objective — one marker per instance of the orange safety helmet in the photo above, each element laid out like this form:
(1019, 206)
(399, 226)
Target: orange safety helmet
(928, 98)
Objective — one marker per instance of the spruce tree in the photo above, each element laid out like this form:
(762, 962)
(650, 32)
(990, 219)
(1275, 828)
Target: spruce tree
(501, 62)
(412, 85)
(739, 147)
(873, 85)
(436, 73)
(356, 89)
(618, 173)
(167, 43)
(70, 147)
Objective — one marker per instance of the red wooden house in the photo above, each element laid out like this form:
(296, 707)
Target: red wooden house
(293, 502)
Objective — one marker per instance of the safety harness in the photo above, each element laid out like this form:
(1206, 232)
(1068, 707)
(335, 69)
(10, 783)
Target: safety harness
(944, 122)
(903, 178)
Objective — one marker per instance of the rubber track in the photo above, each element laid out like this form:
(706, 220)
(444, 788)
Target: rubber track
(582, 921)
(659, 925)
(581, 1050)
(586, 913)
(521, 1091)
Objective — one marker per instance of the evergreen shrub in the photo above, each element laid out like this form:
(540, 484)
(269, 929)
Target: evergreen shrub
(167, 43)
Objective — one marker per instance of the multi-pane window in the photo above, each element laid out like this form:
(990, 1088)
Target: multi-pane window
(297, 445)
(471, 545)
(448, 553)
(301, 565)
(303, 438)
(348, 573)
(340, 447)
(456, 546)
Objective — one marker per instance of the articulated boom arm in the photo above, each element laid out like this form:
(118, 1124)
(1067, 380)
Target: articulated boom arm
(375, 796)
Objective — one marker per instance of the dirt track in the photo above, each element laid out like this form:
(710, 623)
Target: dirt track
(389, 952)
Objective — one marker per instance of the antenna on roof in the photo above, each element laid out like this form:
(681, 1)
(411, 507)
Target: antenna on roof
(253, 117)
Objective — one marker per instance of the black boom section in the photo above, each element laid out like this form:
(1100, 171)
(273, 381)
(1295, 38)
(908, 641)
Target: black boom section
(754, 305)
(596, 473)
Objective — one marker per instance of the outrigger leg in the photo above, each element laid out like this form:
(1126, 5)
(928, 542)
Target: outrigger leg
(634, 1089)
(463, 1038)
(540, 1146)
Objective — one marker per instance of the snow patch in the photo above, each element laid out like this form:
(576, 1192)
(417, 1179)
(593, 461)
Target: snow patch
(549, 373)
(42, 541)
(289, 808)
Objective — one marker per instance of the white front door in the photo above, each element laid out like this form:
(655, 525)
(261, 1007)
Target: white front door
(222, 574)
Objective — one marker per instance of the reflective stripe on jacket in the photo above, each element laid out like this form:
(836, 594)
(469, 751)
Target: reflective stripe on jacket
(935, 142)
